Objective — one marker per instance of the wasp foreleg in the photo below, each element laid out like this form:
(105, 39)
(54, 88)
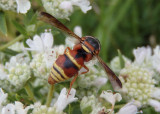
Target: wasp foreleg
(74, 79)
(66, 49)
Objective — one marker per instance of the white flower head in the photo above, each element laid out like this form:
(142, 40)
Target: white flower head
(41, 43)
(63, 100)
(23, 6)
(110, 97)
(129, 108)
(155, 104)
(9, 109)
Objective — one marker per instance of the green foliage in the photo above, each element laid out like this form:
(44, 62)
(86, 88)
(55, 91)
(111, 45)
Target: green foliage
(3, 26)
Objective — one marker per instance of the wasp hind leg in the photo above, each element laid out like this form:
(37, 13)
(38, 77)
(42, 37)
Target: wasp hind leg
(86, 69)
(74, 79)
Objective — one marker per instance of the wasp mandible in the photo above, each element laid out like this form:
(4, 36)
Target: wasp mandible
(68, 65)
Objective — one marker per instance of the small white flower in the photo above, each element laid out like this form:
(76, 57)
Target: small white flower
(23, 6)
(70, 41)
(20, 108)
(78, 31)
(156, 93)
(9, 109)
(110, 97)
(83, 4)
(156, 59)
(63, 101)
(66, 5)
(100, 81)
(129, 108)
(155, 104)
(41, 43)
(142, 54)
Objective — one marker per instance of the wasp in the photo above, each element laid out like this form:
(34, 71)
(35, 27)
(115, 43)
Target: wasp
(69, 64)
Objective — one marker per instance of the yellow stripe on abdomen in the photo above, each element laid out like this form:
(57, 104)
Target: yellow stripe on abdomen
(58, 76)
(61, 71)
(73, 60)
(53, 76)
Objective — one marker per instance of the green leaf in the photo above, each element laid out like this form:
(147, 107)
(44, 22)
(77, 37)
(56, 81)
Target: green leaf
(121, 59)
(30, 18)
(10, 52)
(20, 28)
(3, 26)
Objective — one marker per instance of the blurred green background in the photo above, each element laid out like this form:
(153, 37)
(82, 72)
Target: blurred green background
(118, 24)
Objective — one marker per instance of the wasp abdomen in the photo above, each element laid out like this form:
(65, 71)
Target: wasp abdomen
(64, 68)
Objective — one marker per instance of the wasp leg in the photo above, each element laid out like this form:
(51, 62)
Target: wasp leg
(74, 79)
(86, 69)
(66, 49)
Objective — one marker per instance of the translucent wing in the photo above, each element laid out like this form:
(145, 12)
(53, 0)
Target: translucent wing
(53, 21)
(116, 83)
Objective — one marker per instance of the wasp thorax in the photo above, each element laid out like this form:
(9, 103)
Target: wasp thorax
(91, 44)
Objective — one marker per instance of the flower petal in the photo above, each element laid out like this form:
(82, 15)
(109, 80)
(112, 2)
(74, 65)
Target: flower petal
(83, 4)
(129, 108)
(47, 39)
(156, 93)
(155, 104)
(23, 6)
(63, 101)
(9, 109)
(35, 44)
(110, 97)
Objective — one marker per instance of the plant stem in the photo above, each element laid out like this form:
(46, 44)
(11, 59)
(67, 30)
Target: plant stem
(69, 112)
(29, 92)
(20, 37)
(50, 94)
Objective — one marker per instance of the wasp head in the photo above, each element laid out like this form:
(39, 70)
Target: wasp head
(91, 45)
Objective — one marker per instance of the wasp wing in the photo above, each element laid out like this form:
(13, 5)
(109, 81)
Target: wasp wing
(116, 83)
(53, 21)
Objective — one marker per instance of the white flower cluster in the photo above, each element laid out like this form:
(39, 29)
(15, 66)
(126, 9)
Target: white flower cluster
(138, 78)
(15, 73)
(22, 6)
(93, 105)
(18, 108)
(64, 8)
(44, 54)
(89, 83)
(138, 83)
